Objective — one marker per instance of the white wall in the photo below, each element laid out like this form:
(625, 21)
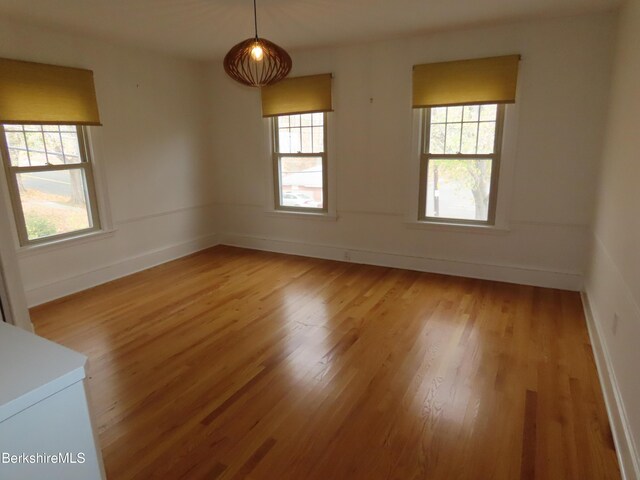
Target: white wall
(179, 169)
(549, 168)
(613, 282)
(185, 154)
(152, 153)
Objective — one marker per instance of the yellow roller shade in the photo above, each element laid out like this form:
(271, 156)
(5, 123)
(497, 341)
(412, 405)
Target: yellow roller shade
(297, 95)
(464, 82)
(35, 93)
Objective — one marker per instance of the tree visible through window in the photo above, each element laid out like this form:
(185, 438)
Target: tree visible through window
(460, 163)
(50, 180)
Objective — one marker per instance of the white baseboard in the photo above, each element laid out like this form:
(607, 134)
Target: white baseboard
(622, 437)
(502, 273)
(506, 273)
(66, 286)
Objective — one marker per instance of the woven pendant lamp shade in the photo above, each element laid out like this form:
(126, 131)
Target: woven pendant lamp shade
(242, 66)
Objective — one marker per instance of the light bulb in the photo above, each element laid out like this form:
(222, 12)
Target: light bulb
(257, 53)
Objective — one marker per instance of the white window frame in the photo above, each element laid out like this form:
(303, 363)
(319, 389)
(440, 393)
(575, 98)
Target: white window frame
(277, 156)
(425, 157)
(85, 164)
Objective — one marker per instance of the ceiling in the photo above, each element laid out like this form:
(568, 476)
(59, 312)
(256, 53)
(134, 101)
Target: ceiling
(206, 29)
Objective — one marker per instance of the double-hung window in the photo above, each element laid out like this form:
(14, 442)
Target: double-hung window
(297, 108)
(460, 163)
(44, 113)
(300, 162)
(50, 180)
(462, 105)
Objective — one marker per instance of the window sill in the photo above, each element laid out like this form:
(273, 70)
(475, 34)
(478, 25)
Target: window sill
(458, 227)
(327, 217)
(46, 247)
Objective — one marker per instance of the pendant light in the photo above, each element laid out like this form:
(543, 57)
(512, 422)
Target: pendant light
(256, 61)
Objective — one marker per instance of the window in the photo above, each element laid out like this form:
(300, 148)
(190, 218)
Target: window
(300, 162)
(50, 181)
(460, 162)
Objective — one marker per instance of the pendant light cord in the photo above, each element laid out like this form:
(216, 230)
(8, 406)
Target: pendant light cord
(255, 18)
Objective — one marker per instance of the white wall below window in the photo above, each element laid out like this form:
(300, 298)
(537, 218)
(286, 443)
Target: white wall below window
(550, 168)
(151, 152)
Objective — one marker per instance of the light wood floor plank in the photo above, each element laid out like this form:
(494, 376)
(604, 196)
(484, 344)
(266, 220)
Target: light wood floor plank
(233, 364)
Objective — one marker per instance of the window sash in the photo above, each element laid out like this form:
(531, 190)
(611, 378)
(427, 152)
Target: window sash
(277, 160)
(16, 201)
(425, 157)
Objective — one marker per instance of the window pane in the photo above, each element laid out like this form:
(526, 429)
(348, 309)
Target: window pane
(16, 140)
(35, 148)
(35, 145)
(284, 140)
(436, 141)
(35, 141)
(458, 189)
(301, 182)
(301, 139)
(466, 130)
(295, 140)
(19, 157)
(37, 158)
(318, 139)
(305, 120)
(70, 144)
(289, 140)
(54, 202)
(439, 115)
(471, 113)
(283, 121)
(486, 137)
(454, 131)
(469, 138)
(307, 140)
(454, 114)
(53, 142)
(488, 112)
(318, 119)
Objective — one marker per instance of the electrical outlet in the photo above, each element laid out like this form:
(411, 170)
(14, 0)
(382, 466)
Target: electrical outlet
(614, 324)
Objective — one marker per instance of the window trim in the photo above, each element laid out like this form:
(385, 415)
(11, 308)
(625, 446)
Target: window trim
(425, 156)
(277, 156)
(14, 193)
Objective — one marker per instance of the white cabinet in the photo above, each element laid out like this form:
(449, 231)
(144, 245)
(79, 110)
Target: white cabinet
(45, 423)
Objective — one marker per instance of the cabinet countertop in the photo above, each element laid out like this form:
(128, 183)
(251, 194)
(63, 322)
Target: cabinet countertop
(32, 369)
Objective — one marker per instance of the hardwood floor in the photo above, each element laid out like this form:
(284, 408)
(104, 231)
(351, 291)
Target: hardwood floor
(232, 364)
